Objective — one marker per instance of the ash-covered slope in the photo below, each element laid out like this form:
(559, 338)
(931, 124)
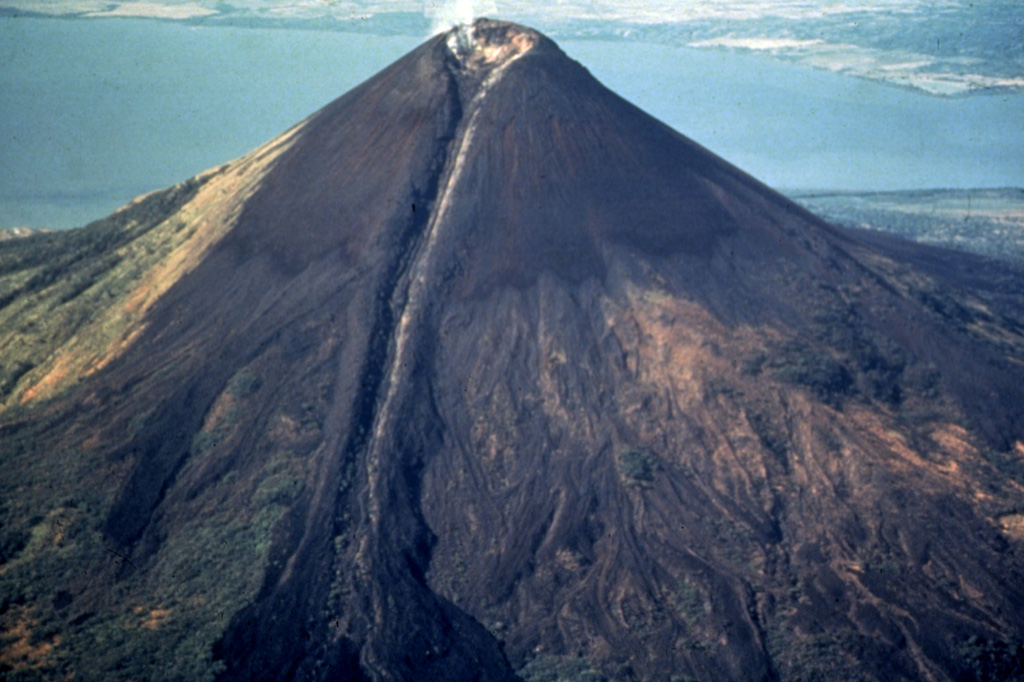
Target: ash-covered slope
(480, 369)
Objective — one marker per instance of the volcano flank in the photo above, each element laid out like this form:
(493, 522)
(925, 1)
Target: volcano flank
(482, 373)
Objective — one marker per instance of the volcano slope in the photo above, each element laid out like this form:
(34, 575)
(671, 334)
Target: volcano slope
(481, 372)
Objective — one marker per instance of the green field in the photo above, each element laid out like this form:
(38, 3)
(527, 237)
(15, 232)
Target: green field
(984, 221)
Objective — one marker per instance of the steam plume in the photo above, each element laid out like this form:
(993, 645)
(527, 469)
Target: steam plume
(447, 13)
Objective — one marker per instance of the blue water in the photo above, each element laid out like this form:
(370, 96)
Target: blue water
(799, 128)
(93, 113)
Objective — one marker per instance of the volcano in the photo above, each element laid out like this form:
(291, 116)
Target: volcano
(482, 373)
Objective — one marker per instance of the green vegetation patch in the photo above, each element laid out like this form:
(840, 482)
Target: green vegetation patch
(803, 365)
(823, 657)
(560, 669)
(53, 284)
(1009, 463)
(244, 383)
(986, 659)
(689, 603)
(638, 464)
(169, 610)
(160, 615)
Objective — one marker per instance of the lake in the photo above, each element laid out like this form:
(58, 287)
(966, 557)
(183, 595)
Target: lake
(95, 112)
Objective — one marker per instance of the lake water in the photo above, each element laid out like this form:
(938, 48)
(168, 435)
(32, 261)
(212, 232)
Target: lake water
(95, 112)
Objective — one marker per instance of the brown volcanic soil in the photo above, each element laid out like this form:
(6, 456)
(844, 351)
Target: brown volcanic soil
(482, 369)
